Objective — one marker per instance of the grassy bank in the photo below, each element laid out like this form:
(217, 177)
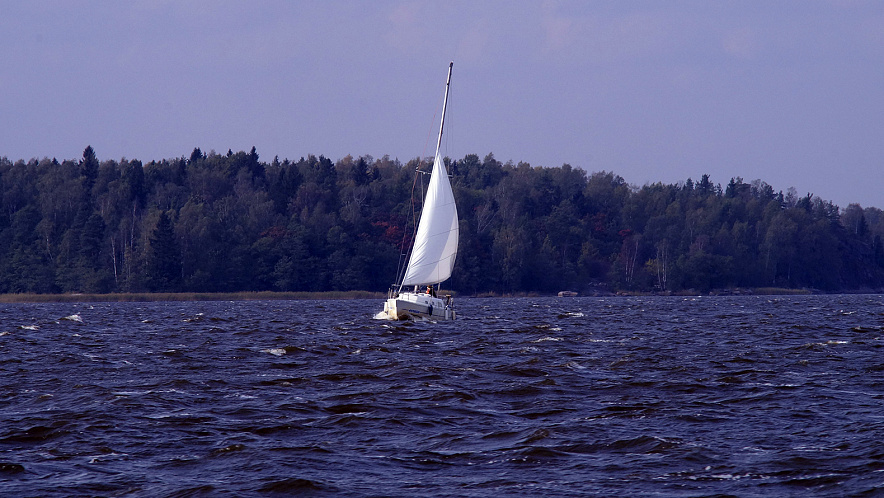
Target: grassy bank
(779, 291)
(185, 296)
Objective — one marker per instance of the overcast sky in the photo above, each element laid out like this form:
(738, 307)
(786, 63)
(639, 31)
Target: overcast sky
(789, 92)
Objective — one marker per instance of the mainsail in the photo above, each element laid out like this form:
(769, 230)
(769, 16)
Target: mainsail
(435, 245)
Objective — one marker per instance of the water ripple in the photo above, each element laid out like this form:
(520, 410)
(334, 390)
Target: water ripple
(744, 396)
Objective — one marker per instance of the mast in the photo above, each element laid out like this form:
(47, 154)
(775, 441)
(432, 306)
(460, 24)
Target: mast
(444, 106)
(436, 159)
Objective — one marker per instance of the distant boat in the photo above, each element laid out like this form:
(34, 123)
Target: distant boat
(567, 294)
(434, 249)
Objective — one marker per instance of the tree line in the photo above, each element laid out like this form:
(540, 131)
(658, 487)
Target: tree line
(231, 222)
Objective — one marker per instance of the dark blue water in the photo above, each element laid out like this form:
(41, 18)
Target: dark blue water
(743, 396)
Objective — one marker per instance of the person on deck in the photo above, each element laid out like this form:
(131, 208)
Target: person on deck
(431, 291)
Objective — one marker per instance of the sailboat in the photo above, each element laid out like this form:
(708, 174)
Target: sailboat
(434, 249)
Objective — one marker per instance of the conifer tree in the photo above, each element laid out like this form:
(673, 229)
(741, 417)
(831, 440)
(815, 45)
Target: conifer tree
(164, 258)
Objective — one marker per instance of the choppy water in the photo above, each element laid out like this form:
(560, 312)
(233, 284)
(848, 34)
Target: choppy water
(747, 396)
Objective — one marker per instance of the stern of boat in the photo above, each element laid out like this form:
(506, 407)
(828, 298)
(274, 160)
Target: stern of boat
(413, 305)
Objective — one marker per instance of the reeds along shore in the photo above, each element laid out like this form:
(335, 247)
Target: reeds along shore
(186, 296)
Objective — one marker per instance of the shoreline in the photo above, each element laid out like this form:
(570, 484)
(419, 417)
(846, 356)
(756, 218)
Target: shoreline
(345, 295)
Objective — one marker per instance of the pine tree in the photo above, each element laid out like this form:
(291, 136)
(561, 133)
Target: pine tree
(89, 167)
(164, 258)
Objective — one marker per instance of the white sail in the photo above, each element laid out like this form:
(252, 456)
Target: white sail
(435, 246)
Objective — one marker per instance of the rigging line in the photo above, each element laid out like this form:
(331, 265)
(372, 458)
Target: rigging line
(403, 258)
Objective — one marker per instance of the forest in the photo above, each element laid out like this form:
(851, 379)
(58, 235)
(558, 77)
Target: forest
(231, 222)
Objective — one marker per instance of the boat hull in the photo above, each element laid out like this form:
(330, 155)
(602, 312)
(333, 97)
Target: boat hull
(411, 305)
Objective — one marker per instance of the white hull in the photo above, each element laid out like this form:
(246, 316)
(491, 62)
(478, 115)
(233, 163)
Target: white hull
(410, 305)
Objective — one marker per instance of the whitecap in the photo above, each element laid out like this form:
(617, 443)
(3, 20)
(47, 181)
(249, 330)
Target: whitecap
(106, 457)
(274, 351)
(74, 318)
(546, 339)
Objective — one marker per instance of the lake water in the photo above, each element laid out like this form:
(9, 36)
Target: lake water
(650, 396)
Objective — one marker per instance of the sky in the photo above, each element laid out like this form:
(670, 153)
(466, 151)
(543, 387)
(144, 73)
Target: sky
(790, 92)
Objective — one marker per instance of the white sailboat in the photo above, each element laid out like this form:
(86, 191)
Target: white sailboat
(434, 249)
